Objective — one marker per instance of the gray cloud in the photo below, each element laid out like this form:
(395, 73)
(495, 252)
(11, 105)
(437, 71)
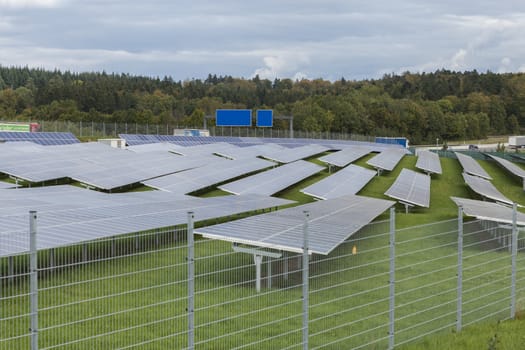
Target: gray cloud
(295, 39)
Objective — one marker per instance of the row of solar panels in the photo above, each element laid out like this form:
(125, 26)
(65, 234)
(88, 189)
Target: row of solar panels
(107, 168)
(68, 218)
(41, 138)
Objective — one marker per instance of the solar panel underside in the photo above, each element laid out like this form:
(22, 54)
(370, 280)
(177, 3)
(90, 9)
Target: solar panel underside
(485, 188)
(349, 180)
(511, 167)
(488, 211)
(471, 167)
(274, 180)
(331, 222)
(289, 155)
(68, 216)
(412, 188)
(345, 156)
(428, 162)
(195, 179)
(387, 159)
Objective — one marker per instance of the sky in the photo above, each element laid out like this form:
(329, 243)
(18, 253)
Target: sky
(327, 39)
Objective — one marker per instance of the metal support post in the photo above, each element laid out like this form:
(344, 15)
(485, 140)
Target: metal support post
(305, 280)
(33, 280)
(191, 283)
(514, 261)
(52, 257)
(459, 311)
(269, 274)
(392, 277)
(285, 267)
(257, 259)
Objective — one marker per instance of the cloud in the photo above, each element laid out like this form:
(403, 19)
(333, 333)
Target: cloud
(458, 61)
(291, 39)
(29, 3)
(282, 65)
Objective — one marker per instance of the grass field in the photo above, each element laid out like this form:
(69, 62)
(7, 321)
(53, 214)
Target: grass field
(141, 294)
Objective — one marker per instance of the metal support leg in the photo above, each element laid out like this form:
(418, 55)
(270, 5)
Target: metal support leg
(258, 260)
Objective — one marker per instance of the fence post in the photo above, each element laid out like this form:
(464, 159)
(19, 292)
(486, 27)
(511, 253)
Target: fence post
(514, 261)
(459, 311)
(305, 279)
(33, 280)
(191, 283)
(392, 292)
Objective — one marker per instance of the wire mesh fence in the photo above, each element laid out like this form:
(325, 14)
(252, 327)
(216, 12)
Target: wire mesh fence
(156, 290)
(91, 129)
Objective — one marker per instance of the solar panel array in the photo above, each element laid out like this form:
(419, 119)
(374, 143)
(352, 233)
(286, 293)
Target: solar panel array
(93, 163)
(488, 211)
(511, 167)
(485, 188)
(387, 159)
(139, 139)
(274, 180)
(195, 179)
(331, 223)
(69, 215)
(41, 138)
(412, 188)
(345, 156)
(349, 180)
(470, 166)
(428, 162)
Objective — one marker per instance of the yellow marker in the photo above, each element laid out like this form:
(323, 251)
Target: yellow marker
(354, 250)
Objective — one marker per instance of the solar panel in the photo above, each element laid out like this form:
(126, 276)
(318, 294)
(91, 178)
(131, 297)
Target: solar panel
(412, 188)
(42, 138)
(488, 211)
(485, 188)
(470, 166)
(349, 180)
(156, 147)
(94, 164)
(68, 216)
(345, 156)
(292, 154)
(274, 180)
(250, 151)
(511, 167)
(195, 179)
(428, 162)
(387, 159)
(331, 223)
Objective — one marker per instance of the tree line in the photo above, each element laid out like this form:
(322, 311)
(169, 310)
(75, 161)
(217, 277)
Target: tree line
(422, 107)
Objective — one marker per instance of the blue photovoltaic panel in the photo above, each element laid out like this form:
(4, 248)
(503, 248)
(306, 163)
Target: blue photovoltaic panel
(233, 117)
(264, 118)
(41, 138)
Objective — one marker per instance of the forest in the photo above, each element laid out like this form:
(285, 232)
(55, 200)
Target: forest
(420, 106)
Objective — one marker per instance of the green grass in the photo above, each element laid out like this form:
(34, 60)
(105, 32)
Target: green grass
(507, 335)
(348, 293)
